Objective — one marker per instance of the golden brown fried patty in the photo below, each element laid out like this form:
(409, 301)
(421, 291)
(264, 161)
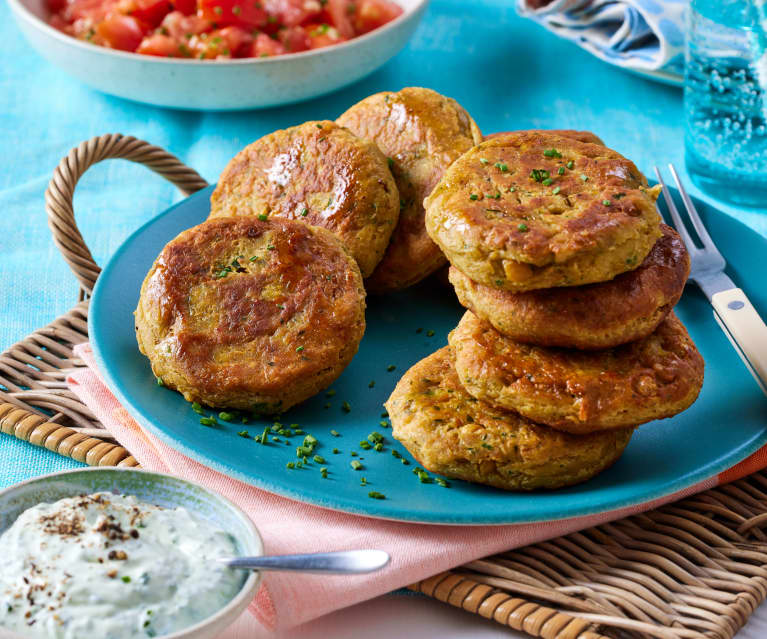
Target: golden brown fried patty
(580, 391)
(240, 313)
(592, 316)
(451, 433)
(581, 136)
(319, 173)
(535, 210)
(422, 132)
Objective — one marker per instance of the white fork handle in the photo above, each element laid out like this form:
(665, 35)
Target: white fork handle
(745, 329)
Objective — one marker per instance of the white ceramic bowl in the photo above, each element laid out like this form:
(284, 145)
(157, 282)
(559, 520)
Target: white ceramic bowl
(246, 83)
(155, 488)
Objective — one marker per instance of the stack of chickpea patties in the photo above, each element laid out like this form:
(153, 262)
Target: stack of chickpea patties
(570, 342)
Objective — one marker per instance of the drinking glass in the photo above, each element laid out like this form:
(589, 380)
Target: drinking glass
(725, 97)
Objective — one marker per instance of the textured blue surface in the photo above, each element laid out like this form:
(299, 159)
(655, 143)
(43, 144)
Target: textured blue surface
(663, 457)
(508, 72)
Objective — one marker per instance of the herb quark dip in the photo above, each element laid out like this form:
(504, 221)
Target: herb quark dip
(110, 566)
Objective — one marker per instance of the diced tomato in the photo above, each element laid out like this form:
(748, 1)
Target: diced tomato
(240, 13)
(294, 39)
(160, 45)
(322, 35)
(371, 14)
(340, 12)
(265, 46)
(121, 32)
(178, 26)
(151, 12)
(291, 13)
(187, 7)
(91, 10)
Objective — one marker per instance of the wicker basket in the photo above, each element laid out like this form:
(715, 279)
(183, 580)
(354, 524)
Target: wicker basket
(691, 570)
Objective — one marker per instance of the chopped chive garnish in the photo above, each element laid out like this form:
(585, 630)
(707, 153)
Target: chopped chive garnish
(405, 462)
(346, 407)
(330, 393)
(125, 579)
(561, 170)
(395, 454)
(390, 162)
(556, 190)
(363, 481)
(383, 424)
(606, 202)
(442, 482)
(552, 153)
(584, 177)
(356, 465)
(371, 383)
(208, 421)
(375, 437)
(374, 494)
(390, 368)
(319, 459)
(160, 382)
(335, 433)
(522, 227)
(429, 333)
(353, 453)
(378, 447)
(244, 433)
(474, 196)
(570, 165)
(365, 445)
(290, 465)
(318, 125)
(304, 212)
(336, 451)
(299, 349)
(324, 473)
(276, 439)
(227, 417)
(197, 408)
(264, 435)
(483, 160)
(547, 182)
(263, 217)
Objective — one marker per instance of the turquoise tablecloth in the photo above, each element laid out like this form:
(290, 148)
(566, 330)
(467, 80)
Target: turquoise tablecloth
(507, 72)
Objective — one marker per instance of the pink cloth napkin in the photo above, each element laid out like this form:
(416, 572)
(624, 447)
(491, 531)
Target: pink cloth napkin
(418, 551)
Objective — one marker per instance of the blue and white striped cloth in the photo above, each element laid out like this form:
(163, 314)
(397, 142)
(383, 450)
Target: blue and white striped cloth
(645, 35)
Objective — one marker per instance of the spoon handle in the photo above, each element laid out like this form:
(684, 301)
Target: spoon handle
(347, 562)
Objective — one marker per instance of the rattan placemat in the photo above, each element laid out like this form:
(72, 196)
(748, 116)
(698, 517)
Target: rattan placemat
(690, 570)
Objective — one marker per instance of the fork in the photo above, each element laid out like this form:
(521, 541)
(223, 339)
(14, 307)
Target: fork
(732, 309)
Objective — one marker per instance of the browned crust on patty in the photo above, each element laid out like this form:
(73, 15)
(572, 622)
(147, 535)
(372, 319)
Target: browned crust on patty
(510, 213)
(581, 136)
(321, 174)
(580, 391)
(279, 325)
(451, 433)
(423, 133)
(593, 316)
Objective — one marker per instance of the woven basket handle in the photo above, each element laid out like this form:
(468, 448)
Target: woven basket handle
(61, 189)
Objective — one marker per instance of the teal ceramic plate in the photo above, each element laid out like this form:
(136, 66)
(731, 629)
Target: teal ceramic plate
(725, 425)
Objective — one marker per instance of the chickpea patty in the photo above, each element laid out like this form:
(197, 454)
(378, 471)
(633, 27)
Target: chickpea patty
(580, 391)
(535, 210)
(422, 133)
(451, 433)
(249, 314)
(321, 174)
(592, 316)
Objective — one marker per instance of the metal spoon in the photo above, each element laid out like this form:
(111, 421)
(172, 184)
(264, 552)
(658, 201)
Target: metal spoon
(346, 562)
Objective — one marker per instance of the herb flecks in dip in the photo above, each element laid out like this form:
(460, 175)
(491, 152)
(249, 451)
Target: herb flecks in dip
(106, 565)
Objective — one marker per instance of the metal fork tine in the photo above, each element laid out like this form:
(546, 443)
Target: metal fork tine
(676, 218)
(705, 238)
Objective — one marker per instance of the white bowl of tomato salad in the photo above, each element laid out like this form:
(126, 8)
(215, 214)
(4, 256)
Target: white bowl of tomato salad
(218, 54)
